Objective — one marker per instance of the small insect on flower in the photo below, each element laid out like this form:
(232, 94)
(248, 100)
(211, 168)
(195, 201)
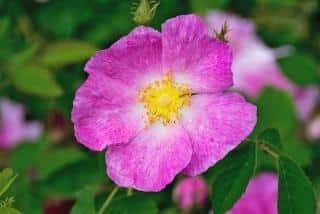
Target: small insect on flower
(13, 128)
(157, 102)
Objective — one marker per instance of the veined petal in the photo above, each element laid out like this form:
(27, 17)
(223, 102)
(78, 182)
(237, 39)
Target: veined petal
(193, 56)
(151, 160)
(216, 124)
(105, 112)
(131, 58)
(260, 197)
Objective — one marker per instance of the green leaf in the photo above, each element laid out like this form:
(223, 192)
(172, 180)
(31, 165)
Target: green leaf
(298, 151)
(63, 18)
(202, 6)
(25, 154)
(276, 110)
(132, 205)
(8, 210)
(54, 160)
(6, 179)
(271, 138)
(4, 26)
(99, 34)
(66, 52)
(26, 196)
(36, 80)
(230, 176)
(84, 203)
(23, 56)
(277, 2)
(69, 180)
(296, 194)
(301, 68)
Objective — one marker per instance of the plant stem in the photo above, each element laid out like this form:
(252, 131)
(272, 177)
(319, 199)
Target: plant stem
(268, 150)
(129, 192)
(108, 200)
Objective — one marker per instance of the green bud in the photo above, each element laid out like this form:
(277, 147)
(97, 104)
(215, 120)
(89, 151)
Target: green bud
(223, 32)
(144, 12)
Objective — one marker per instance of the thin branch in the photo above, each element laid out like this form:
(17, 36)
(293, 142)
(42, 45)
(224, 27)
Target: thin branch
(108, 200)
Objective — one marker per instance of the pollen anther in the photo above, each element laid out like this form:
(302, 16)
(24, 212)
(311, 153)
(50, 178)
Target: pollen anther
(163, 99)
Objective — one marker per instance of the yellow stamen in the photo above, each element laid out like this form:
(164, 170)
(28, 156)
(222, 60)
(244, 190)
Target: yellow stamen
(164, 99)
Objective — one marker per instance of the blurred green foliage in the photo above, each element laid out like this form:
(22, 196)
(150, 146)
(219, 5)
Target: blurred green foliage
(43, 49)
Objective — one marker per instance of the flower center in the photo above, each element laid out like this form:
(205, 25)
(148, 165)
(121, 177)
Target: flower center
(163, 99)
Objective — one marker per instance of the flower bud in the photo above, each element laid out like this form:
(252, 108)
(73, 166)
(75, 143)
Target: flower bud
(144, 12)
(221, 35)
(191, 192)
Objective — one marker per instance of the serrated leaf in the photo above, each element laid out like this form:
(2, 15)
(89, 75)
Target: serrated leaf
(271, 138)
(230, 176)
(276, 110)
(8, 210)
(66, 52)
(6, 179)
(301, 68)
(54, 160)
(296, 194)
(132, 205)
(35, 80)
(84, 203)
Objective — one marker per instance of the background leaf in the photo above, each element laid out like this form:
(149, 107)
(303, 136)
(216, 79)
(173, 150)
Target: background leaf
(6, 179)
(66, 52)
(296, 195)
(271, 137)
(36, 80)
(132, 205)
(54, 160)
(301, 68)
(202, 6)
(85, 202)
(74, 177)
(276, 110)
(298, 151)
(8, 210)
(230, 176)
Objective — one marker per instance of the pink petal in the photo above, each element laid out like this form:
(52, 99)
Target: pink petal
(151, 160)
(260, 197)
(216, 124)
(192, 55)
(131, 58)
(240, 29)
(313, 128)
(190, 192)
(13, 128)
(255, 67)
(306, 100)
(32, 130)
(104, 112)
